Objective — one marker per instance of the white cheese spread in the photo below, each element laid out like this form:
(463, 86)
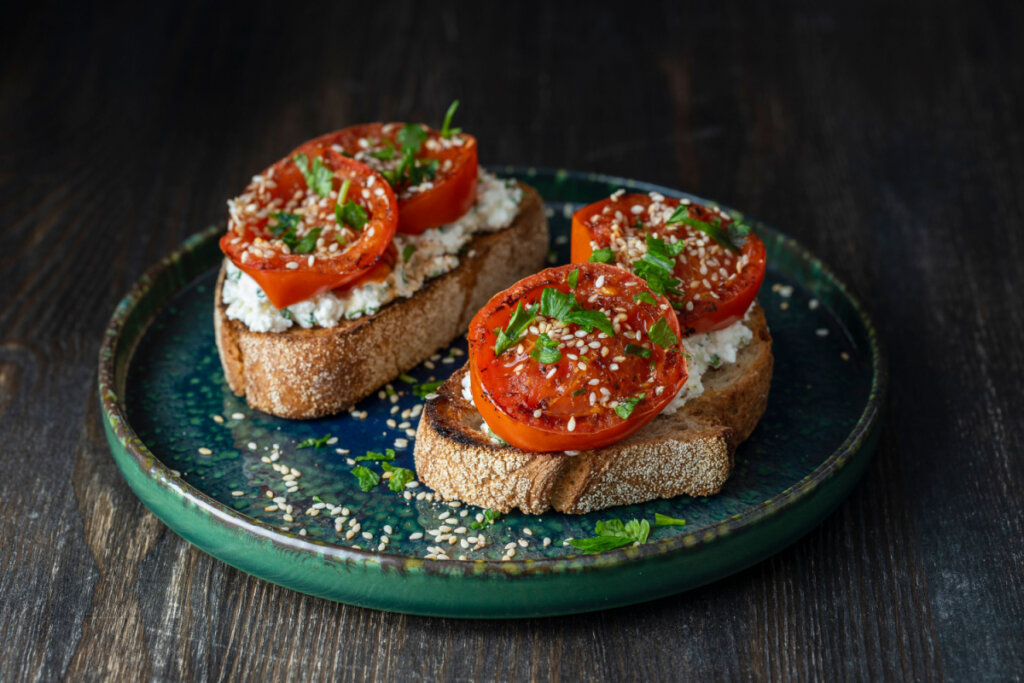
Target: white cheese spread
(430, 254)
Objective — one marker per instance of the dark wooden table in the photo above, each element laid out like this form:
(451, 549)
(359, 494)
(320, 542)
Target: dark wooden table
(886, 139)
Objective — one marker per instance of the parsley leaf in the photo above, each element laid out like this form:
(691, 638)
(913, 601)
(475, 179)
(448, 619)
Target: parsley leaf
(388, 454)
(637, 350)
(563, 307)
(605, 255)
(614, 534)
(625, 408)
(367, 477)
(515, 329)
(446, 130)
(713, 230)
(307, 243)
(579, 392)
(573, 278)
(665, 520)
(285, 221)
(351, 214)
(556, 304)
(385, 153)
(407, 379)
(545, 350)
(312, 442)
(427, 388)
(662, 335)
(400, 476)
(490, 517)
(318, 178)
(645, 298)
(738, 233)
(411, 137)
(407, 252)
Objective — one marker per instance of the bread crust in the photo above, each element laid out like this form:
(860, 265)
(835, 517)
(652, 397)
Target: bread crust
(689, 452)
(308, 373)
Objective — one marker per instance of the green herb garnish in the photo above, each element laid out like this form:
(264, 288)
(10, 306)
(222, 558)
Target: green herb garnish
(446, 130)
(285, 221)
(385, 153)
(318, 179)
(400, 476)
(579, 392)
(427, 388)
(351, 214)
(563, 307)
(625, 408)
(545, 350)
(665, 520)
(308, 243)
(662, 335)
(614, 534)
(490, 517)
(573, 278)
(605, 255)
(407, 379)
(515, 329)
(312, 442)
(645, 298)
(407, 252)
(411, 137)
(388, 454)
(713, 230)
(367, 477)
(637, 350)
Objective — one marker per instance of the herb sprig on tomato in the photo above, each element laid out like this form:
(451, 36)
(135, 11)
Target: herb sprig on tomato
(312, 222)
(554, 361)
(707, 264)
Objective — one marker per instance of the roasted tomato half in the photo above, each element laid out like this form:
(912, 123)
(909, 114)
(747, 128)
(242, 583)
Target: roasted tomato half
(574, 358)
(314, 221)
(434, 175)
(708, 265)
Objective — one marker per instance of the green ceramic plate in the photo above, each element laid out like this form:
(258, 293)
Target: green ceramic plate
(209, 467)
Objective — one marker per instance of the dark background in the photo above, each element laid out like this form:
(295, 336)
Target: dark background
(887, 139)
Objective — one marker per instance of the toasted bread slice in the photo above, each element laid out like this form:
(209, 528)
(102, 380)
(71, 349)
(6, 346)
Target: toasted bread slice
(306, 373)
(690, 451)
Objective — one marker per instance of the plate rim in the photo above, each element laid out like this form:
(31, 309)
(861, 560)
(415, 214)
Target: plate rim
(115, 415)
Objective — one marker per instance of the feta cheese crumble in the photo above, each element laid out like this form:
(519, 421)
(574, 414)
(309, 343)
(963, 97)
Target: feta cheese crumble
(430, 254)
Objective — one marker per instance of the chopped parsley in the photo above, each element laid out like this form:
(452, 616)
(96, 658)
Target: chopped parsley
(410, 169)
(312, 442)
(563, 307)
(411, 137)
(637, 350)
(446, 130)
(645, 298)
(605, 255)
(427, 388)
(614, 534)
(367, 477)
(307, 244)
(351, 214)
(400, 476)
(490, 517)
(407, 379)
(545, 350)
(385, 153)
(626, 407)
(657, 265)
(318, 179)
(515, 329)
(715, 360)
(662, 335)
(665, 520)
(573, 278)
(407, 252)
(713, 230)
(285, 222)
(579, 392)
(388, 454)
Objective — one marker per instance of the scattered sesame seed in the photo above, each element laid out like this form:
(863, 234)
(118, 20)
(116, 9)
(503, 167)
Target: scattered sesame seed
(821, 332)
(238, 494)
(205, 451)
(237, 416)
(416, 536)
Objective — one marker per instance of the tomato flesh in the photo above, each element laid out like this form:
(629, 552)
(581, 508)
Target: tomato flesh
(570, 403)
(716, 285)
(342, 255)
(444, 197)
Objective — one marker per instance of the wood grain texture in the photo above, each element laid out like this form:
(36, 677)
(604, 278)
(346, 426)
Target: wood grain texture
(885, 138)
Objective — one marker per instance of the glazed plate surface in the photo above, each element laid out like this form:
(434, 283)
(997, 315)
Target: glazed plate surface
(210, 467)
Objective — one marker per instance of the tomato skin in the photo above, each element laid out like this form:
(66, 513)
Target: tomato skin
(705, 315)
(286, 285)
(507, 399)
(454, 190)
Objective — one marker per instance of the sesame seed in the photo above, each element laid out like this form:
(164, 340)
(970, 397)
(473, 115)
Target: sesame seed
(572, 424)
(238, 494)
(821, 332)
(416, 536)
(237, 416)
(205, 451)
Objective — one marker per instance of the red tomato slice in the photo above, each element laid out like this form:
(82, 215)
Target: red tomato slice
(441, 198)
(715, 284)
(540, 403)
(278, 208)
